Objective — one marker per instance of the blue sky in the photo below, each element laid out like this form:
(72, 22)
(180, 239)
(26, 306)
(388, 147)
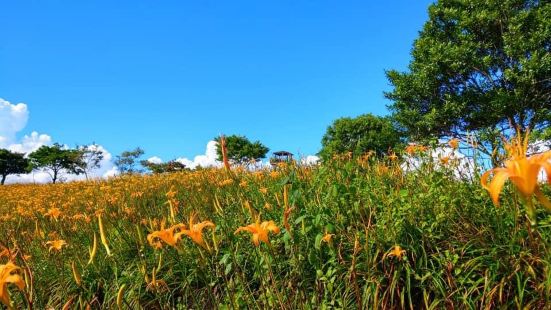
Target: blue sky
(170, 75)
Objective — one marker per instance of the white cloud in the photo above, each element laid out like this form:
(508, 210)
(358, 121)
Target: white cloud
(30, 143)
(13, 119)
(155, 160)
(209, 159)
(310, 160)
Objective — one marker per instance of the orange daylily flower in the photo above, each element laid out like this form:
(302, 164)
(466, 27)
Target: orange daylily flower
(170, 236)
(53, 213)
(523, 171)
(454, 143)
(56, 245)
(444, 160)
(195, 231)
(392, 156)
(415, 148)
(6, 252)
(397, 252)
(260, 231)
(327, 237)
(9, 273)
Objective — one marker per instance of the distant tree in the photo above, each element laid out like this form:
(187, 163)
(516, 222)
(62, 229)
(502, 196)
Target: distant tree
(168, 167)
(92, 156)
(12, 163)
(359, 135)
(241, 150)
(127, 161)
(480, 67)
(56, 159)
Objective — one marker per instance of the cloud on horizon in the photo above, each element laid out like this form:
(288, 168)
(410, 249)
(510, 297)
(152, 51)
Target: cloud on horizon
(13, 119)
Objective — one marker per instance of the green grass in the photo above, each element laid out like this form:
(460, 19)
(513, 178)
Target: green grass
(460, 250)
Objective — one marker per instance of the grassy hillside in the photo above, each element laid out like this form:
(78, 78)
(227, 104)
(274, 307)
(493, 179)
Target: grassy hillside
(350, 233)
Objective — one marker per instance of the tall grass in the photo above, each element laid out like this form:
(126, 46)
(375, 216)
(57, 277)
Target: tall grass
(460, 251)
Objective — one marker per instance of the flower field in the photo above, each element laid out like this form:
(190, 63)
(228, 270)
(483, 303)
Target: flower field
(349, 233)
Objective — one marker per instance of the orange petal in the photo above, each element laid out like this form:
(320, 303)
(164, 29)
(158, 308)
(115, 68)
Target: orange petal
(496, 185)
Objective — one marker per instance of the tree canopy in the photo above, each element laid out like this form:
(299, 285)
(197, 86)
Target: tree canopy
(92, 156)
(168, 167)
(128, 160)
(12, 163)
(359, 135)
(56, 159)
(477, 66)
(241, 150)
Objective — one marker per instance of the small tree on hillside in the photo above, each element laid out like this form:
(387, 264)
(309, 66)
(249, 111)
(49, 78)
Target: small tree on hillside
(12, 163)
(56, 159)
(359, 135)
(92, 156)
(241, 150)
(168, 167)
(128, 160)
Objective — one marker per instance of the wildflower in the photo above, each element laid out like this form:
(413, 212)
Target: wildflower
(9, 273)
(56, 245)
(260, 231)
(225, 182)
(170, 236)
(263, 190)
(93, 250)
(397, 252)
(6, 252)
(444, 160)
(415, 148)
(103, 237)
(454, 143)
(521, 170)
(327, 237)
(54, 213)
(392, 156)
(120, 296)
(76, 274)
(195, 231)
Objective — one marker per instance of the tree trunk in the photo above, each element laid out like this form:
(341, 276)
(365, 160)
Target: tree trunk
(3, 179)
(55, 177)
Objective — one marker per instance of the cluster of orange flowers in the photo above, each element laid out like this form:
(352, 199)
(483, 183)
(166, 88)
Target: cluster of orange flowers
(523, 172)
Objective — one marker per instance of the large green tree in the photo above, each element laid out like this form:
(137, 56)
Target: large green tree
(241, 150)
(57, 159)
(478, 66)
(359, 135)
(12, 163)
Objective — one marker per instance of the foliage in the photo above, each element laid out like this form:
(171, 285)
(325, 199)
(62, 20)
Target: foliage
(12, 163)
(241, 150)
(350, 233)
(478, 66)
(168, 167)
(128, 160)
(92, 156)
(56, 159)
(359, 135)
